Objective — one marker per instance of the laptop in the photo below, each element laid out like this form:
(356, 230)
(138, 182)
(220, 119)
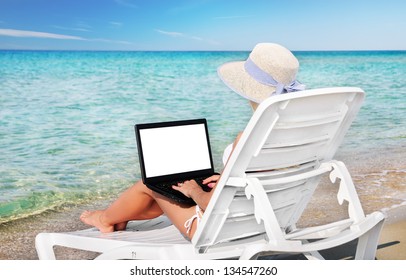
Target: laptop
(172, 152)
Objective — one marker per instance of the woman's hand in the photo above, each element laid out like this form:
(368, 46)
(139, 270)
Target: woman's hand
(211, 181)
(193, 190)
(187, 187)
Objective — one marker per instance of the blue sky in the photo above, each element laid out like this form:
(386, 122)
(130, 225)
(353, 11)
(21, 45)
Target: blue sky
(202, 24)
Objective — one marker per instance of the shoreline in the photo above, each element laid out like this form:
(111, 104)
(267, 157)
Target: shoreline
(17, 238)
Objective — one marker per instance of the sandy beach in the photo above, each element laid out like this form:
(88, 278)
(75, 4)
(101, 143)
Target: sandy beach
(17, 237)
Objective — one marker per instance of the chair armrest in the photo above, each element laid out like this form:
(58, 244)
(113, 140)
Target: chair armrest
(347, 190)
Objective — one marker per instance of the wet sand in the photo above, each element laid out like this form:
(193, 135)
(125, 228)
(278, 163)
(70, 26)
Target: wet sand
(380, 183)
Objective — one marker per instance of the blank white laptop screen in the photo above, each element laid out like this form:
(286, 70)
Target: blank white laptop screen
(174, 149)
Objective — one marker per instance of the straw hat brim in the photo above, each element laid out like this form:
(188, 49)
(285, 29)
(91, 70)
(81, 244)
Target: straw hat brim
(237, 79)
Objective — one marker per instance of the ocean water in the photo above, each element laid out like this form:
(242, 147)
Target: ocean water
(66, 118)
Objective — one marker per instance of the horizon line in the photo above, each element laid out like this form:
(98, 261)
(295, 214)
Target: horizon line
(146, 50)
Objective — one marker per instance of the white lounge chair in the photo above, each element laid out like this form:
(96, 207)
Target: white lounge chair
(287, 146)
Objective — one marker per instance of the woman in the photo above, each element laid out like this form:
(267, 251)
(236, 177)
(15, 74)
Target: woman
(269, 70)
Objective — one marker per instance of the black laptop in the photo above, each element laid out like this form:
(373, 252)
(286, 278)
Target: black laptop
(172, 152)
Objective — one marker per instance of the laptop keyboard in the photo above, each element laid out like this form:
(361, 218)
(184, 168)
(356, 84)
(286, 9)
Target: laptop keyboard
(167, 190)
(199, 181)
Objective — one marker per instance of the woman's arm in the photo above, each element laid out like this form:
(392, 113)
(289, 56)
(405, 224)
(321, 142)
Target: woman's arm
(193, 190)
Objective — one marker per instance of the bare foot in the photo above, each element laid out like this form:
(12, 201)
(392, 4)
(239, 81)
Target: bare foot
(92, 218)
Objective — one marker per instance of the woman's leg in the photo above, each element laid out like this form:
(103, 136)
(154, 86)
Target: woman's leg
(140, 203)
(136, 203)
(177, 213)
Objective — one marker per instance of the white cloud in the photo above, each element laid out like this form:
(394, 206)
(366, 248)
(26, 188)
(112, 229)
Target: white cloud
(44, 35)
(81, 29)
(116, 24)
(35, 34)
(183, 35)
(170, 33)
(196, 38)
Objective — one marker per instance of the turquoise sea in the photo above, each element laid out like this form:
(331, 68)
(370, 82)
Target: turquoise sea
(66, 118)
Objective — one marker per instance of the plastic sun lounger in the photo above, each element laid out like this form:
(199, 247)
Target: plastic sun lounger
(270, 177)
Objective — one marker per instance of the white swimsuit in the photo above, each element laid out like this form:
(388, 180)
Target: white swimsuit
(198, 216)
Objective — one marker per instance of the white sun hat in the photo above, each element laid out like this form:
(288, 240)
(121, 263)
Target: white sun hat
(269, 70)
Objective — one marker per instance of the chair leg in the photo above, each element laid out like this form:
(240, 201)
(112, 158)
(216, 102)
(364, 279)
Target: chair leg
(247, 256)
(45, 246)
(252, 252)
(315, 255)
(368, 243)
(254, 257)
